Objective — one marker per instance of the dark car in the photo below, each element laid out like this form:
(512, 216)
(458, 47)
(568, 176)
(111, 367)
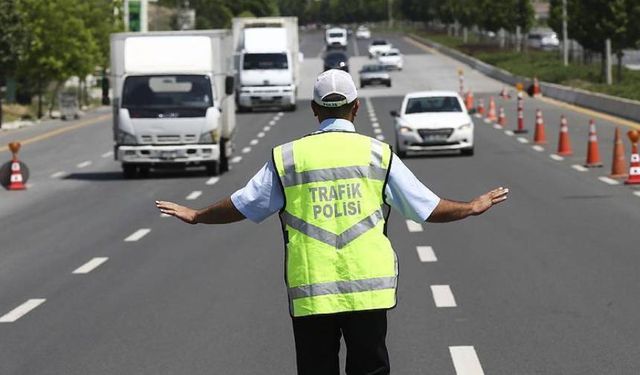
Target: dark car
(336, 60)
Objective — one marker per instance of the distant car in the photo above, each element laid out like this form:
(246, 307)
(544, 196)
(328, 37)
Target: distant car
(433, 121)
(373, 74)
(378, 46)
(363, 32)
(336, 37)
(336, 60)
(391, 59)
(546, 41)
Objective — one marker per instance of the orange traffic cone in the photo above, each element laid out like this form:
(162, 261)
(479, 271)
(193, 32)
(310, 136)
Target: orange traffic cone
(593, 152)
(619, 165)
(564, 144)
(17, 180)
(468, 100)
(480, 108)
(634, 168)
(491, 114)
(539, 136)
(502, 118)
(536, 92)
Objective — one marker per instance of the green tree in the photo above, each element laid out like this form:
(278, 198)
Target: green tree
(11, 42)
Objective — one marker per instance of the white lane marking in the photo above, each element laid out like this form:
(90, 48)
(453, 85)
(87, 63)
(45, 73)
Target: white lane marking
(412, 226)
(556, 157)
(253, 142)
(280, 114)
(374, 119)
(90, 265)
(272, 122)
(266, 128)
(194, 195)
(636, 193)
(107, 154)
(523, 140)
(246, 150)
(465, 360)
(261, 134)
(538, 148)
(60, 174)
(164, 215)
(21, 310)
(497, 126)
(375, 124)
(84, 164)
(478, 115)
(236, 159)
(380, 137)
(442, 296)
(377, 130)
(608, 180)
(510, 133)
(487, 121)
(426, 254)
(579, 168)
(137, 235)
(212, 181)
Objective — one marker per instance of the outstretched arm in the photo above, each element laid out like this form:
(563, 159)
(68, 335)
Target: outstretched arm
(448, 210)
(222, 212)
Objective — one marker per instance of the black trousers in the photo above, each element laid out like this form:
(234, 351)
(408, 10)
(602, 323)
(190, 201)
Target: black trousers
(317, 340)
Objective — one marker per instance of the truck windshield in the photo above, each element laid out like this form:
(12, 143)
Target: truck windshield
(265, 61)
(167, 91)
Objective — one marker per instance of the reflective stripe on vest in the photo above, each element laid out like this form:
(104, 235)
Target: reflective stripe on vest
(338, 257)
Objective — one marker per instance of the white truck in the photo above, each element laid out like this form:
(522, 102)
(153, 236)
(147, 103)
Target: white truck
(267, 62)
(172, 100)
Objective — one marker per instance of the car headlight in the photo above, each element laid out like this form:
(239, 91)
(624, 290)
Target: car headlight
(464, 126)
(124, 138)
(209, 137)
(405, 129)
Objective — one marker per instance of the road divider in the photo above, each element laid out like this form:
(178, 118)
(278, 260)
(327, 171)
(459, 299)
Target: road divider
(21, 310)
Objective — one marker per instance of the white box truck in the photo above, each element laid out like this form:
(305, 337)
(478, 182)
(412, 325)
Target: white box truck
(267, 62)
(172, 100)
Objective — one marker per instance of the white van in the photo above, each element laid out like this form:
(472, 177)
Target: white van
(336, 37)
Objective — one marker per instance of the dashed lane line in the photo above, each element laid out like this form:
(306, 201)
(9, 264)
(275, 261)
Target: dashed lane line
(246, 150)
(377, 130)
(608, 181)
(426, 254)
(374, 119)
(236, 159)
(465, 360)
(537, 148)
(90, 265)
(107, 154)
(497, 126)
(21, 310)
(375, 124)
(280, 114)
(60, 174)
(523, 140)
(510, 133)
(212, 181)
(253, 142)
(442, 296)
(261, 135)
(272, 122)
(84, 164)
(579, 168)
(412, 226)
(556, 157)
(380, 137)
(137, 235)
(266, 128)
(164, 215)
(194, 195)
(636, 193)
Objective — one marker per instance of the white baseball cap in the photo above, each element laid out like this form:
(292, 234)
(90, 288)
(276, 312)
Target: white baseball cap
(334, 81)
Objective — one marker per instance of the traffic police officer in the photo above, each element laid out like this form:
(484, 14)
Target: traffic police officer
(332, 189)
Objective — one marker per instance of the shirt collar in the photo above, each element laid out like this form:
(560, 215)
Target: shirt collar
(336, 124)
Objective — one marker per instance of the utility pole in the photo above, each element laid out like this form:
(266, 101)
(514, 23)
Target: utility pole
(565, 34)
(607, 51)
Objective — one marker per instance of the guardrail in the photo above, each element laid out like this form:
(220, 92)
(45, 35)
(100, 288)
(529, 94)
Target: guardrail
(625, 108)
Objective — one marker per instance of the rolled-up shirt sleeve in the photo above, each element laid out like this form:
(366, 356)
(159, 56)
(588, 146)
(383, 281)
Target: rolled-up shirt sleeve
(407, 194)
(261, 197)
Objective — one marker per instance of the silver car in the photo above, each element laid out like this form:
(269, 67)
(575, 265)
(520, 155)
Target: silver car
(374, 74)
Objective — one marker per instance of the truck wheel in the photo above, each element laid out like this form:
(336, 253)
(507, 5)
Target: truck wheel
(129, 171)
(467, 151)
(401, 153)
(143, 172)
(213, 168)
(292, 108)
(224, 158)
(389, 84)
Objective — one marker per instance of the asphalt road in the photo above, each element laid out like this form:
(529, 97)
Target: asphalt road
(544, 284)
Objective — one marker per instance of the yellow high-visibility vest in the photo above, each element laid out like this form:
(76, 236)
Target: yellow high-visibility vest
(338, 257)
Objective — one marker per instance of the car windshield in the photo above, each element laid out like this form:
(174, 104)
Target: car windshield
(379, 43)
(265, 61)
(391, 54)
(373, 68)
(167, 91)
(336, 35)
(433, 104)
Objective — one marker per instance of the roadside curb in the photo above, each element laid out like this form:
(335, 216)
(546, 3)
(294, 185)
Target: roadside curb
(620, 107)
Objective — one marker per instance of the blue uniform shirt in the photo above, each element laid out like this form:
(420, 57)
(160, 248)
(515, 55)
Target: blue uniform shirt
(262, 196)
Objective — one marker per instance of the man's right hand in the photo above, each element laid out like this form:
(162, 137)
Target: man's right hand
(186, 214)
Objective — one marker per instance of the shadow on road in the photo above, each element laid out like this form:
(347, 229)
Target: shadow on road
(152, 175)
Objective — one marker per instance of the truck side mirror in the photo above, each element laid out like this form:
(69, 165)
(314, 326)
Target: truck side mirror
(229, 83)
(394, 113)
